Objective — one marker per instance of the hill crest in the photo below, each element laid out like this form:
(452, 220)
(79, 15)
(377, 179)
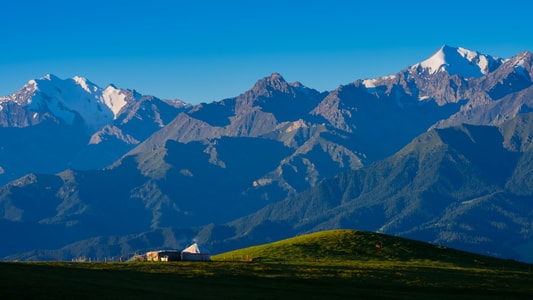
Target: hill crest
(356, 245)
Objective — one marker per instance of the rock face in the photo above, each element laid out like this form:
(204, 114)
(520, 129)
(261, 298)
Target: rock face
(408, 154)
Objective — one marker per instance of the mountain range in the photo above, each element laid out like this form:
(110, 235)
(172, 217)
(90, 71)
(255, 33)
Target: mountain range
(53, 124)
(440, 152)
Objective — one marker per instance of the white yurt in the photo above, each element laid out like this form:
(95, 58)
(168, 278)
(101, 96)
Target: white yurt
(195, 252)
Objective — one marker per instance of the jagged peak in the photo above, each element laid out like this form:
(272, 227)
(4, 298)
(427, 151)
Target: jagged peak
(526, 53)
(34, 83)
(458, 61)
(275, 81)
(55, 80)
(85, 84)
(521, 58)
(49, 76)
(276, 76)
(79, 79)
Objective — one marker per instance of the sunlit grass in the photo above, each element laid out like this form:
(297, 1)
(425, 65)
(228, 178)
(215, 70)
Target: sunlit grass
(328, 265)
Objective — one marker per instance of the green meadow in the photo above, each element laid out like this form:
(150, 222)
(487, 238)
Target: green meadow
(339, 264)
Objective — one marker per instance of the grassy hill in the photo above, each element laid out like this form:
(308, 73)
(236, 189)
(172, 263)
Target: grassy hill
(338, 264)
(361, 246)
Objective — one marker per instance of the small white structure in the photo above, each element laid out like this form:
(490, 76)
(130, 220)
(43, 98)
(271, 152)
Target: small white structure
(194, 252)
(163, 255)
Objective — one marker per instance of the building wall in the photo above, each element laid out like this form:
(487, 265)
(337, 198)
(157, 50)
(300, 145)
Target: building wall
(166, 255)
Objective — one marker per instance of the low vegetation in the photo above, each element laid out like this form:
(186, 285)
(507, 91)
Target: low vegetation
(339, 264)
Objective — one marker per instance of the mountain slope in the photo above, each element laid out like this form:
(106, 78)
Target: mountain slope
(458, 187)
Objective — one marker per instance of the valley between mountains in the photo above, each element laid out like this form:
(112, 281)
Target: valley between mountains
(439, 152)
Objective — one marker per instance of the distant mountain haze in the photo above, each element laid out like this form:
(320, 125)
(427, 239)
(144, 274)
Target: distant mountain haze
(439, 152)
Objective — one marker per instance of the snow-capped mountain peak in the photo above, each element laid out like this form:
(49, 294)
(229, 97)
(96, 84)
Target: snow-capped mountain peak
(68, 98)
(86, 84)
(111, 96)
(458, 61)
(114, 98)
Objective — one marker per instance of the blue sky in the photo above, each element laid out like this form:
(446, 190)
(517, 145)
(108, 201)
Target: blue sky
(203, 51)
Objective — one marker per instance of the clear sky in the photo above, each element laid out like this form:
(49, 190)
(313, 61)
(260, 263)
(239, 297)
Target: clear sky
(204, 51)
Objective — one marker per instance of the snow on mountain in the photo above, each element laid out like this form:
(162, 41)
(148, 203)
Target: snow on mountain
(372, 83)
(458, 61)
(522, 64)
(68, 98)
(23, 96)
(114, 99)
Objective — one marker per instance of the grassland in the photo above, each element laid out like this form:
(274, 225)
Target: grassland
(340, 264)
